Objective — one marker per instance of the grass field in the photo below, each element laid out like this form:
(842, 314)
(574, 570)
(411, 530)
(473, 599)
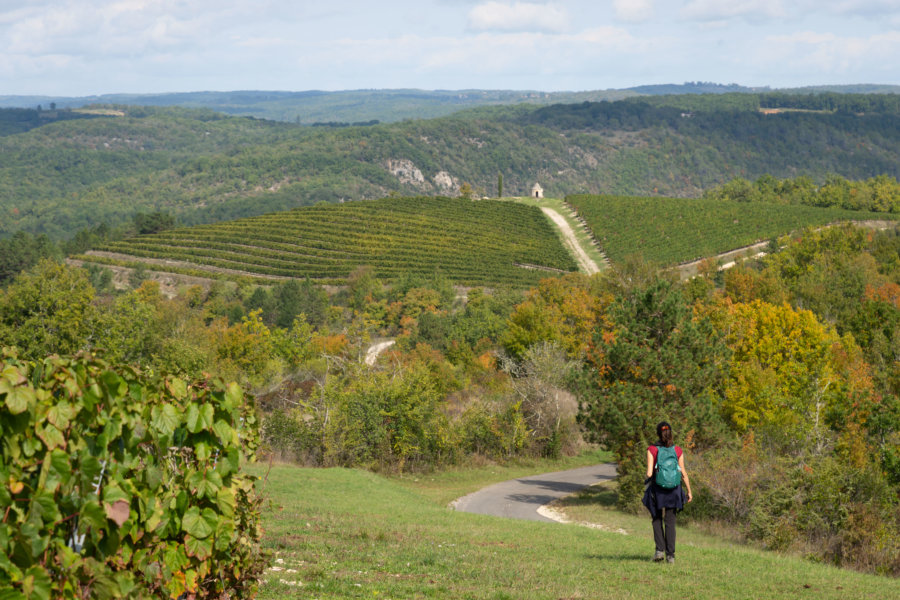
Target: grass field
(338, 533)
(669, 231)
(482, 242)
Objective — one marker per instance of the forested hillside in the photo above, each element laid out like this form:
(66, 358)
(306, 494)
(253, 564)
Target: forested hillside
(202, 166)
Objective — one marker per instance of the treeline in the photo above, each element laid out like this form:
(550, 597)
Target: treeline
(24, 250)
(876, 194)
(20, 120)
(886, 104)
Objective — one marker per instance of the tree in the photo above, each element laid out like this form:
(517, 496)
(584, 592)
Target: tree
(499, 185)
(47, 310)
(654, 362)
(153, 222)
(566, 310)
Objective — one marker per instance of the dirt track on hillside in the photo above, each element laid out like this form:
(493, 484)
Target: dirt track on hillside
(584, 261)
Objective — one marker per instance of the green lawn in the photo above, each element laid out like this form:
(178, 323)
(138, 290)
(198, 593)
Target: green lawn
(340, 533)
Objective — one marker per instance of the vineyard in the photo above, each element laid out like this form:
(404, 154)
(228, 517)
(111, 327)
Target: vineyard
(674, 230)
(484, 242)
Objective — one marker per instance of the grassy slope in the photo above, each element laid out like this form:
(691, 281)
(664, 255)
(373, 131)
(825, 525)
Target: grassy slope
(674, 230)
(339, 533)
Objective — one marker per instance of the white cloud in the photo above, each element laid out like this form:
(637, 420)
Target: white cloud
(723, 10)
(832, 54)
(518, 16)
(864, 8)
(634, 11)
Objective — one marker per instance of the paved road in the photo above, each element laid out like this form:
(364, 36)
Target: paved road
(521, 498)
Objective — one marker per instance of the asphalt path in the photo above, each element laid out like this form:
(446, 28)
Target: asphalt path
(521, 498)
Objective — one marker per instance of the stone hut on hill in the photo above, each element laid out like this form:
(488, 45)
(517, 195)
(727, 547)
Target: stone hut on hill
(537, 191)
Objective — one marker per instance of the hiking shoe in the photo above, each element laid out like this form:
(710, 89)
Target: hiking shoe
(658, 556)
(670, 559)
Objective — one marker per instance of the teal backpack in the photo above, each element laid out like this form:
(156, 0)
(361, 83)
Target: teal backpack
(668, 474)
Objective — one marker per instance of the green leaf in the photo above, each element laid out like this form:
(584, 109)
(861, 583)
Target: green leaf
(225, 432)
(44, 504)
(200, 549)
(60, 469)
(202, 451)
(153, 477)
(209, 484)
(92, 515)
(89, 470)
(31, 534)
(12, 375)
(51, 436)
(233, 396)
(114, 384)
(177, 388)
(37, 583)
(200, 418)
(174, 557)
(112, 492)
(19, 399)
(225, 502)
(199, 524)
(165, 419)
(60, 414)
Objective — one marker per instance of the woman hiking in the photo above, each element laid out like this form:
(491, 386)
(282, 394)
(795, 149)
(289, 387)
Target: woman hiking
(664, 495)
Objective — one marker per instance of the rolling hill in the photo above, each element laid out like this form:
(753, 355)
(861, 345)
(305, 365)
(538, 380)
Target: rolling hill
(202, 167)
(484, 242)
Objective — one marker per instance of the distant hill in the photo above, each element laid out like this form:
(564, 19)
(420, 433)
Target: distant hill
(201, 166)
(388, 106)
(315, 106)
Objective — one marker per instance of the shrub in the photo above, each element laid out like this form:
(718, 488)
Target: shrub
(116, 484)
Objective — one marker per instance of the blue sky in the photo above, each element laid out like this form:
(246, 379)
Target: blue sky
(82, 47)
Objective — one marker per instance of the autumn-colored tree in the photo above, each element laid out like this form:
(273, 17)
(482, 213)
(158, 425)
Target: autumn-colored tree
(788, 372)
(567, 310)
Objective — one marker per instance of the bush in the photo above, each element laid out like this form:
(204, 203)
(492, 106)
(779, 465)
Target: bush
(495, 432)
(116, 484)
(817, 505)
(386, 421)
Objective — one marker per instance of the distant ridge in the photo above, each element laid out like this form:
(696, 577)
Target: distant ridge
(392, 105)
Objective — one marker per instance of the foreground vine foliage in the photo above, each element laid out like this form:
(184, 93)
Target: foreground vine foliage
(117, 484)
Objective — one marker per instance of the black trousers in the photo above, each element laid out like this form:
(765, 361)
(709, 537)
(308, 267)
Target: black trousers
(664, 536)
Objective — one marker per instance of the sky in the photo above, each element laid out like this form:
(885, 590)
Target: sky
(87, 47)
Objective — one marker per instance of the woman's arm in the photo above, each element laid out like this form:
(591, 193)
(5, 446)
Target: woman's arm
(649, 463)
(684, 475)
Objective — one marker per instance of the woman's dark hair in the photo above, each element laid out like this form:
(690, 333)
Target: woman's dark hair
(664, 432)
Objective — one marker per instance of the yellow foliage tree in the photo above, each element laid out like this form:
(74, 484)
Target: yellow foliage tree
(567, 310)
(788, 370)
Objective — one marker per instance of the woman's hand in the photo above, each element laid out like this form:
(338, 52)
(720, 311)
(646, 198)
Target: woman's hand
(690, 496)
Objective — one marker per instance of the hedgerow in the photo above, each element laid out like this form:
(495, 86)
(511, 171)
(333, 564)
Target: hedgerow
(118, 484)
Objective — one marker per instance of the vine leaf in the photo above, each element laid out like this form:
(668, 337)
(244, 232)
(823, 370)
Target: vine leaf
(200, 549)
(118, 512)
(199, 524)
(18, 399)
